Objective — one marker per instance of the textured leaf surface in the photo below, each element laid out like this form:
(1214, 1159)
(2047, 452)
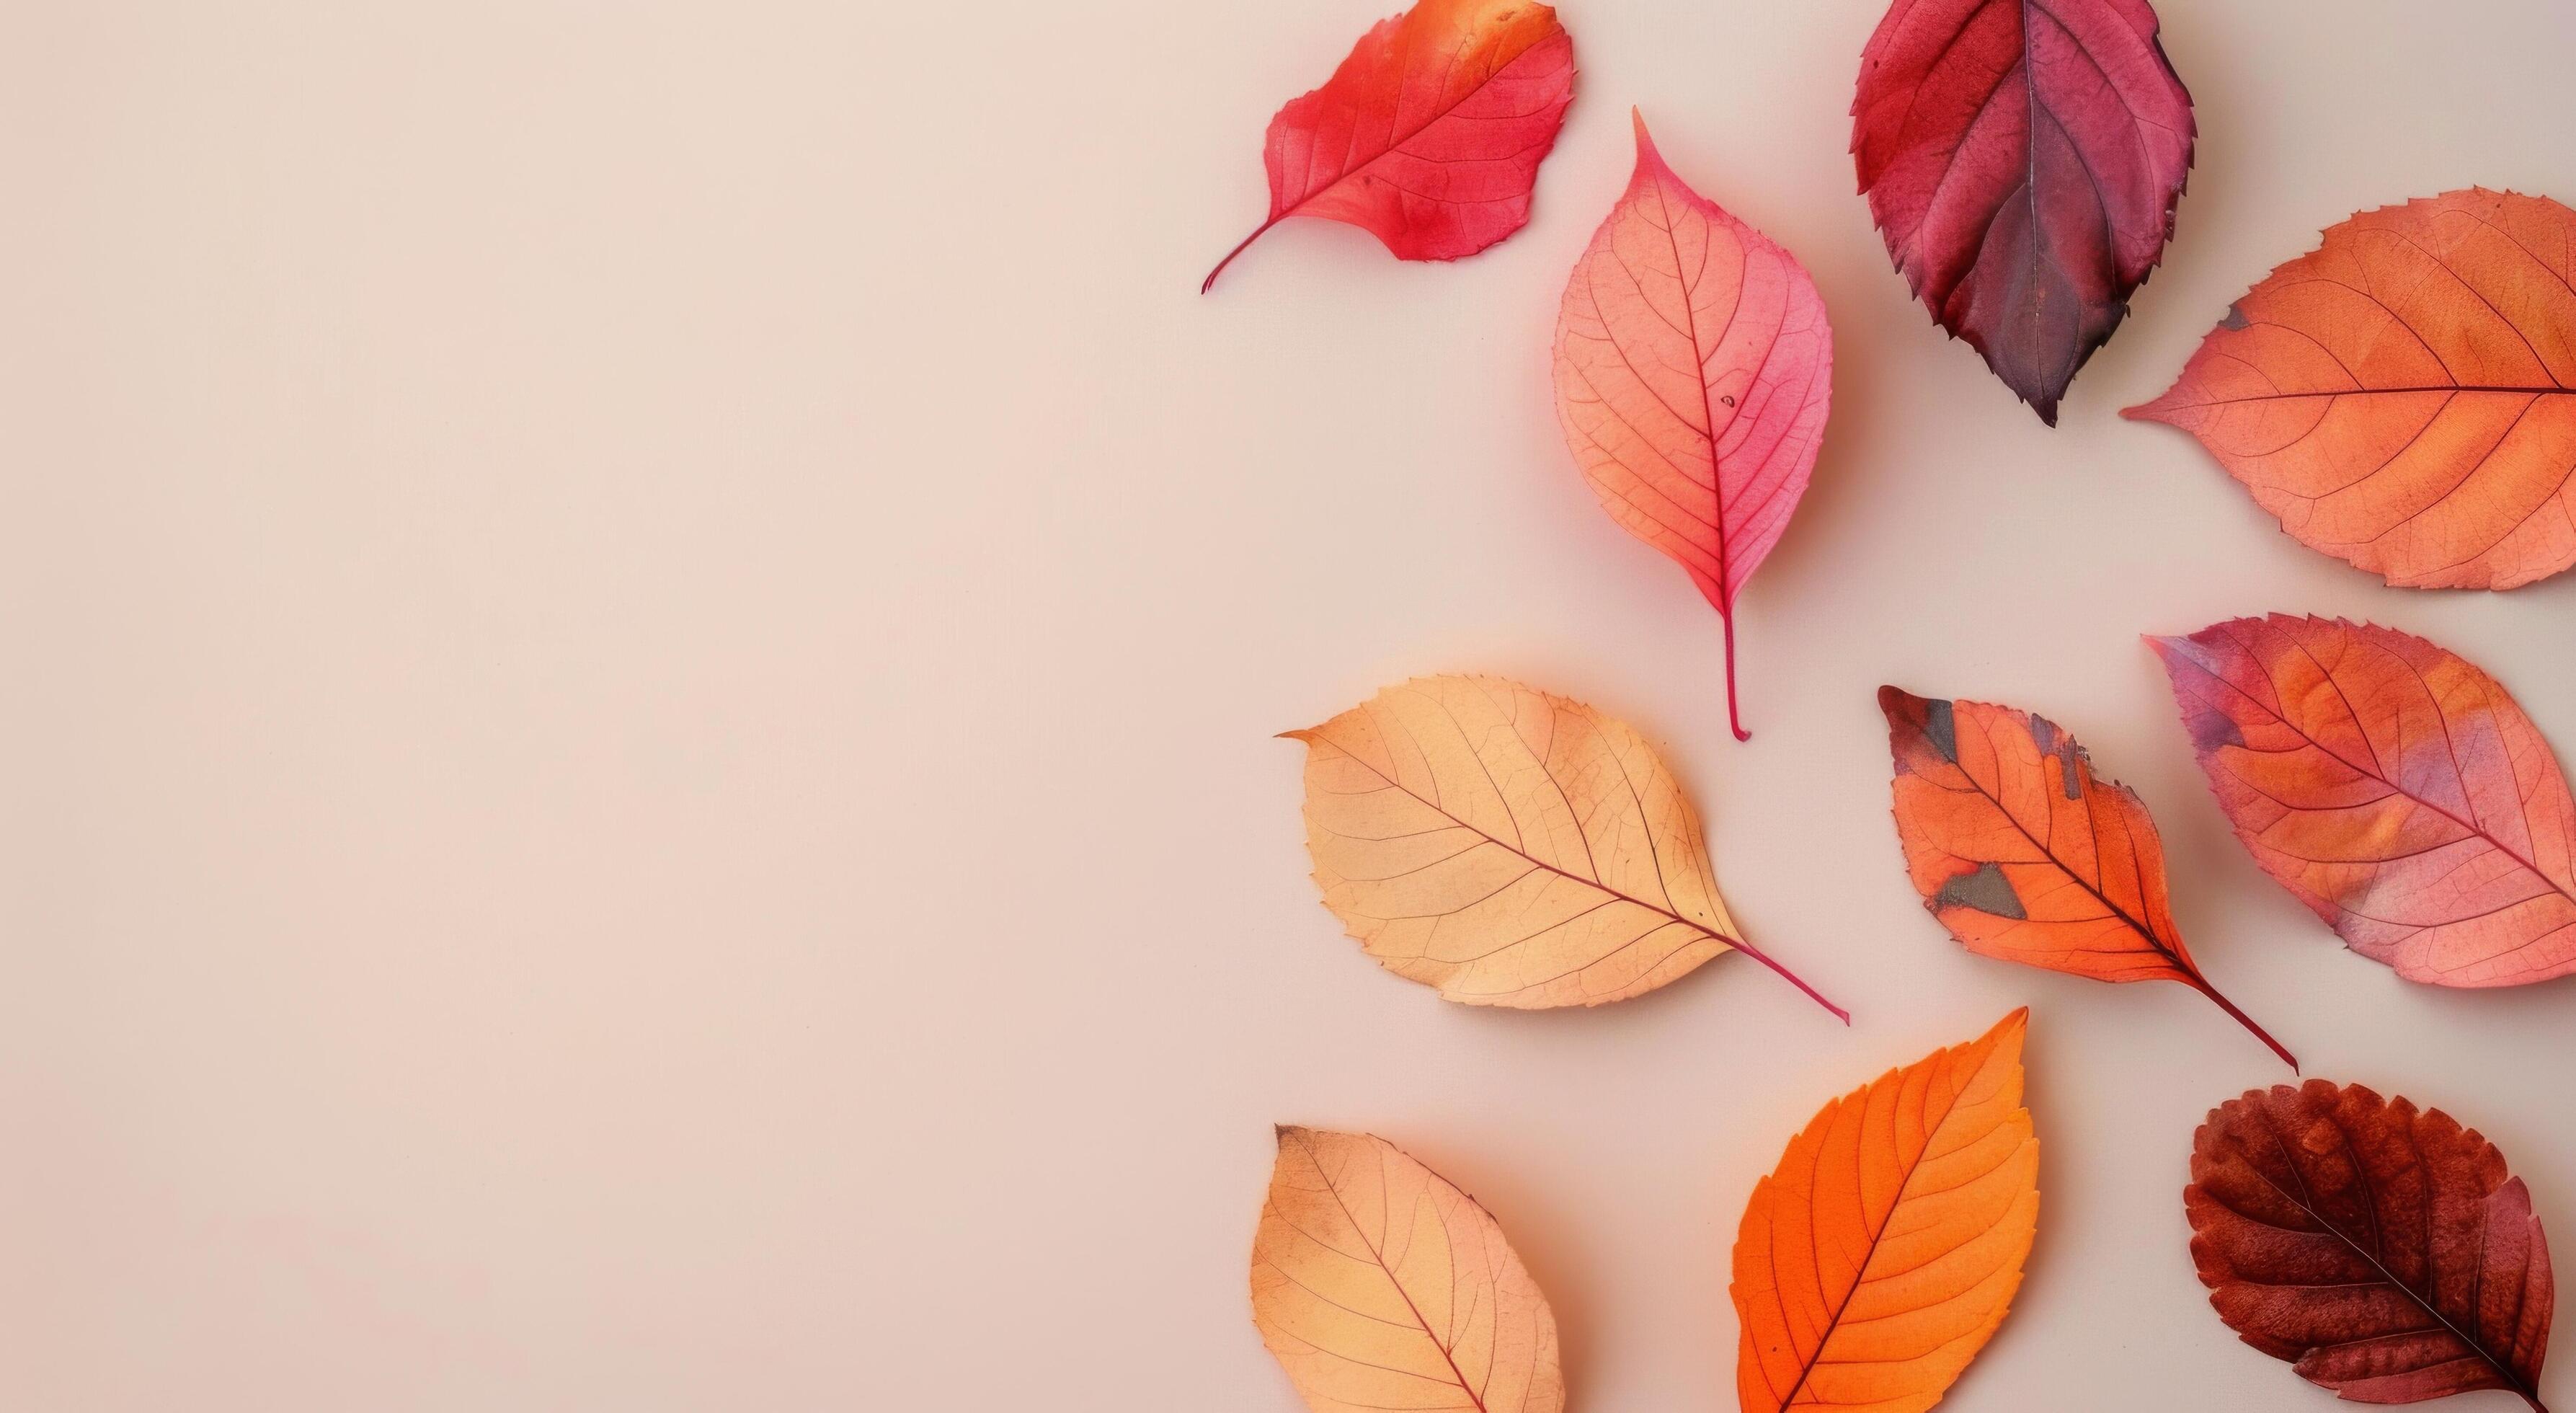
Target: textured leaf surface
(1430, 134)
(1694, 372)
(2391, 785)
(1378, 1285)
(1510, 848)
(2024, 854)
(2383, 1251)
(2404, 398)
(2023, 159)
(1881, 1255)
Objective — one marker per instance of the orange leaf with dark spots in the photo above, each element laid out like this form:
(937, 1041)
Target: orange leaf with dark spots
(2404, 397)
(1884, 1251)
(2025, 855)
(1430, 134)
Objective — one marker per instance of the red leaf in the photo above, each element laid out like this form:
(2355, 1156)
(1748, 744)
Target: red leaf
(2383, 1251)
(2023, 160)
(2394, 788)
(1430, 134)
(1694, 370)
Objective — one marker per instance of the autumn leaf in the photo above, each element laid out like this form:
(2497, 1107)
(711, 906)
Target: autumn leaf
(1694, 370)
(2382, 1250)
(1882, 1253)
(1511, 848)
(1430, 134)
(2023, 161)
(2401, 397)
(2393, 787)
(1378, 1285)
(2024, 854)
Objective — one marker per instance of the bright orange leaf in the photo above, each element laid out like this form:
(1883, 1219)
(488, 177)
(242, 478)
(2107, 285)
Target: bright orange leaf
(2024, 854)
(1694, 371)
(1883, 1252)
(2404, 397)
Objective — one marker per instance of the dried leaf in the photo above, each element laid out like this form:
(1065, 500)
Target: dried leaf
(1511, 848)
(2400, 398)
(1378, 1285)
(1430, 134)
(2391, 785)
(2383, 1251)
(1694, 371)
(2024, 854)
(1882, 1253)
(2023, 161)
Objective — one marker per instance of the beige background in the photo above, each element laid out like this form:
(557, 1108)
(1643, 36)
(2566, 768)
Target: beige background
(641, 644)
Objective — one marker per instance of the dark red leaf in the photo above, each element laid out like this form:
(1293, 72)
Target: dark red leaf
(2023, 158)
(2385, 1252)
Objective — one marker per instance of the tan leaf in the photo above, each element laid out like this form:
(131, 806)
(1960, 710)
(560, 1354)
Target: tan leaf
(1511, 848)
(1378, 1285)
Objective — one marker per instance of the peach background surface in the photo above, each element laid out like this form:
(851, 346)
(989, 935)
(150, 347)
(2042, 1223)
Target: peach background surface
(639, 645)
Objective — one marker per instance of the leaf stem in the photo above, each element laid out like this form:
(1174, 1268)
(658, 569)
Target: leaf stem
(1732, 719)
(1238, 250)
(1791, 977)
(2205, 989)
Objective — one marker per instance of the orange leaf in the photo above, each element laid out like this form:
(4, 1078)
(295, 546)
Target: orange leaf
(2404, 397)
(1430, 134)
(2024, 854)
(2393, 787)
(1378, 1285)
(1882, 1253)
(1511, 848)
(1694, 371)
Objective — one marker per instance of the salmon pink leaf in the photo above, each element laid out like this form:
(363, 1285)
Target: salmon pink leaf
(2404, 397)
(1430, 134)
(2023, 159)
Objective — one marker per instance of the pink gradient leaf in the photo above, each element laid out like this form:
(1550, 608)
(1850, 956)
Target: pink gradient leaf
(2393, 787)
(1694, 372)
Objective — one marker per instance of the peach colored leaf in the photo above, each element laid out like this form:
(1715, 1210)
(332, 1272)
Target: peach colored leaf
(1430, 134)
(2393, 787)
(2404, 397)
(1379, 1286)
(2383, 1250)
(1694, 372)
(1511, 848)
(2025, 854)
(1884, 1251)
(2023, 158)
